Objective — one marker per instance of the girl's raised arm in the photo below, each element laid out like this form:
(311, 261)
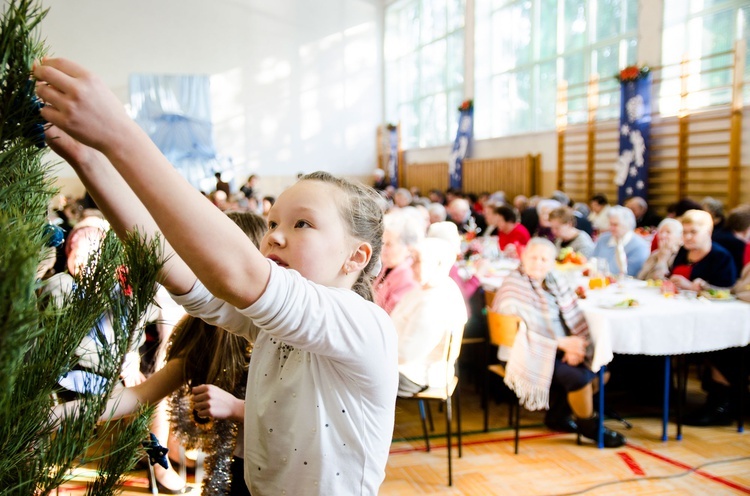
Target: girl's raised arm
(126, 401)
(214, 248)
(118, 203)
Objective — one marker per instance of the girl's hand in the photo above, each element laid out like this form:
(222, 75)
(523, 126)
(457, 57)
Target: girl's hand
(212, 401)
(79, 103)
(574, 348)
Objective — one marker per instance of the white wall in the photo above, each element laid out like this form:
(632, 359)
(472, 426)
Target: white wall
(296, 84)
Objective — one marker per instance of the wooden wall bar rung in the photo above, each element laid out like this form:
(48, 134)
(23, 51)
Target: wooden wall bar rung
(694, 154)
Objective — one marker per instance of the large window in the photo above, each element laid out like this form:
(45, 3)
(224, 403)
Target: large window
(701, 31)
(525, 48)
(424, 69)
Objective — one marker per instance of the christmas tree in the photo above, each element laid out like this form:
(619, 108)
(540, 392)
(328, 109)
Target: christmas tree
(38, 336)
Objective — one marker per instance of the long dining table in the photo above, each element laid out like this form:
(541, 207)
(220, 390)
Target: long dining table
(658, 325)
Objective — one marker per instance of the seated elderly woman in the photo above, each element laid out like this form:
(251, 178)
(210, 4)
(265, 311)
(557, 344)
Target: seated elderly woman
(622, 238)
(701, 262)
(427, 316)
(562, 222)
(553, 349)
(403, 229)
(657, 265)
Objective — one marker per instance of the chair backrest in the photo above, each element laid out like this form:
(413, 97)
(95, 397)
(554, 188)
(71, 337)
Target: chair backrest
(503, 328)
(453, 346)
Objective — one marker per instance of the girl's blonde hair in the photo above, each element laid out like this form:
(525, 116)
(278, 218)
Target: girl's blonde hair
(364, 220)
(210, 354)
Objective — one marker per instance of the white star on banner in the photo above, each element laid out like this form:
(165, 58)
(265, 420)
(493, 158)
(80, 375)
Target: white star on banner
(633, 171)
(624, 129)
(629, 191)
(639, 185)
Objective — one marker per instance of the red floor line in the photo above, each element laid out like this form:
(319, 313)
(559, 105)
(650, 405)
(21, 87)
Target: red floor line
(396, 451)
(679, 464)
(631, 463)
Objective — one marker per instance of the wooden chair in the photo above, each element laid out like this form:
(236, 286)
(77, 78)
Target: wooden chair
(503, 329)
(452, 350)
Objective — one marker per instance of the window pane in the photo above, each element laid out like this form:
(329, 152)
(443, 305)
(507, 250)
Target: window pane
(698, 5)
(608, 19)
(547, 35)
(433, 120)
(456, 11)
(433, 67)
(575, 24)
(546, 102)
(483, 109)
(433, 20)
(409, 77)
(631, 16)
(512, 31)
(410, 126)
(455, 60)
(454, 101)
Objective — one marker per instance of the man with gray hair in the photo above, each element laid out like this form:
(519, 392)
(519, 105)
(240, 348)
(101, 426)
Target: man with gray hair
(460, 213)
(644, 217)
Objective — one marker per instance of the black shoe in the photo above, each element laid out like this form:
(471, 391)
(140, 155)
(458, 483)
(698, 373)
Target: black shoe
(710, 415)
(566, 424)
(589, 428)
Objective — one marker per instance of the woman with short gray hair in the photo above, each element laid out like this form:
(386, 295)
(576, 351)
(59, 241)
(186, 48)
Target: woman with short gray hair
(620, 239)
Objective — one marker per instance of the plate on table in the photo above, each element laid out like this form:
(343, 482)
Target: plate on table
(718, 295)
(627, 304)
(719, 298)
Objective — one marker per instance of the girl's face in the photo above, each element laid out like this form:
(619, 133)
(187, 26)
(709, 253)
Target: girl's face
(537, 261)
(306, 233)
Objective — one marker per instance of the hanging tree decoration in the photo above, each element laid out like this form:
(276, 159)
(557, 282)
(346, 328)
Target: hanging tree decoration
(39, 334)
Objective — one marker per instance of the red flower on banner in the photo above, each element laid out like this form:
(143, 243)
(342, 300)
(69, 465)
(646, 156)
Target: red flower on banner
(122, 276)
(633, 73)
(466, 105)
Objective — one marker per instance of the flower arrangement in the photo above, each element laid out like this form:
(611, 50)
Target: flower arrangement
(633, 73)
(466, 105)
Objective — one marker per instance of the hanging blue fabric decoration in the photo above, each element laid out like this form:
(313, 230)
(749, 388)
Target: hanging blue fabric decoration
(631, 172)
(461, 147)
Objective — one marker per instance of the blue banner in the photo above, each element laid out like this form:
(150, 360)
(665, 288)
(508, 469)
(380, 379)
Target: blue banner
(392, 169)
(631, 173)
(461, 145)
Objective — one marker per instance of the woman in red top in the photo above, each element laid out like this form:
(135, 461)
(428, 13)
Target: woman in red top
(512, 236)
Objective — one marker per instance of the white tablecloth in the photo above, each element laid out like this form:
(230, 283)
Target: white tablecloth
(660, 325)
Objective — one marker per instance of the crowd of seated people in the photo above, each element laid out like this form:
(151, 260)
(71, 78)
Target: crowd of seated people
(696, 246)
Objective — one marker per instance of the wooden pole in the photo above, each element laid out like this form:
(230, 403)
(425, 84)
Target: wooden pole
(735, 134)
(593, 105)
(562, 122)
(683, 130)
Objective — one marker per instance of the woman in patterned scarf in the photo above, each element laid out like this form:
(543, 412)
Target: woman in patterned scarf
(552, 350)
